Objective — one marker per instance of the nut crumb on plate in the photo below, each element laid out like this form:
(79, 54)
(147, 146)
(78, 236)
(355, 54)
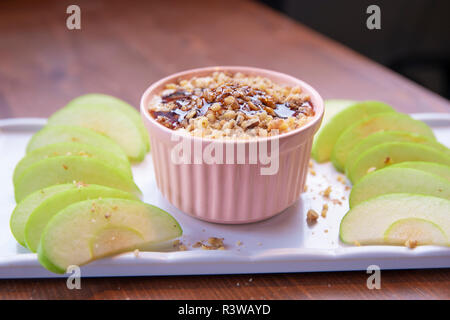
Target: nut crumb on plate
(411, 244)
(324, 210)
(312, 216)
(326, 193)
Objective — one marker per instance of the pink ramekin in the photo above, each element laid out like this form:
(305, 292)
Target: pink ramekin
(232, 193)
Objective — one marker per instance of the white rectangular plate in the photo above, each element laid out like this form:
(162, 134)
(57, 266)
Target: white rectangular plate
(284, 243)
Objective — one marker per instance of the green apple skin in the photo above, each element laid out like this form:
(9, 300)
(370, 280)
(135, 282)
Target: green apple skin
(389, 136)
(41, 215)
(95, 99)
(420, 230)
(434, 168)
(390, 153)
(107, 120)
(57, 134)
(367, 223)
(75, 149)
(375, 123)
(66, 169)
(334, 125)
(93, 229)
(332, 108)
(398, 180)
(23, 209)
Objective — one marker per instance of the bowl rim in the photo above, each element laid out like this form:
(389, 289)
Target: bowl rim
(319, 107)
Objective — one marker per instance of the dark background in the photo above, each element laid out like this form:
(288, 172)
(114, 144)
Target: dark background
(414, 39)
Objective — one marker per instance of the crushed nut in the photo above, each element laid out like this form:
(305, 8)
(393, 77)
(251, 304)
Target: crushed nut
(326, 193)
(411, 244)
(341, 179)
(179, 245)
(324, 210)
(312, 216)
(136, 253)
(198, 244)
(213, 243)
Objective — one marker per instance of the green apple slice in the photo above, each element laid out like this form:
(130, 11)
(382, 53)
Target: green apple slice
(56, 134)
(75, 149)
(434, 168)
(96, 99)
(41, 215)
(332, 108)
(22, 211)
(420, 230)
(398, 180)
(389, 153)
(93, 229)
(331, 129)
(379, 122)
(389, 136)
(107, 120)
(66, 169)
(368, 222)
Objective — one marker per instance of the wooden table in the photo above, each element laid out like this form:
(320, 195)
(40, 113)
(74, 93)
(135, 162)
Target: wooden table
(124, 46)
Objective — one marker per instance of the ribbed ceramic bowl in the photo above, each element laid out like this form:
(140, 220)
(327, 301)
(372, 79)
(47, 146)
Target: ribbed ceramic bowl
(232, 193)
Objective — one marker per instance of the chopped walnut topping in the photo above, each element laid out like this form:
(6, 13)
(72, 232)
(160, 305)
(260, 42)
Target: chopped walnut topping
(226, 105)
(356, 243)
(310, 164)
(411, 244)
(312, 216)
(136, 253)
(312, 172)
(239, 243)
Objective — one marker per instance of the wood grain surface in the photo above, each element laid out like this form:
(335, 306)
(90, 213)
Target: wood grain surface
(124, 46)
